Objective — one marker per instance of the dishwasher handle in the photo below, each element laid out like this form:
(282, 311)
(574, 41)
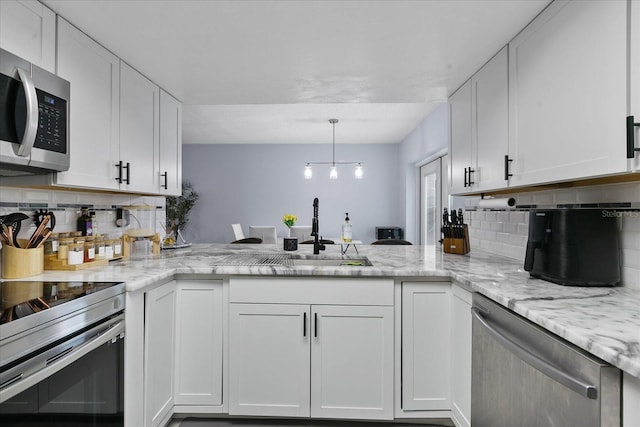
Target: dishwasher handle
(535, 361)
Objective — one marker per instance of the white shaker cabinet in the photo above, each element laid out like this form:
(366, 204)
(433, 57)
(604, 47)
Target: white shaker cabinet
(159, 345)
(302, 347)
(139, 132)
(269, 360)
(352, 362)
(490, 122)
(461, 356)
(479, 113)
(426, 346)
(198, 349)
(634, 82)
(28, 30)
(94, 73)
(170, 167)
(460, 140)
(319, 361)
(567, 93)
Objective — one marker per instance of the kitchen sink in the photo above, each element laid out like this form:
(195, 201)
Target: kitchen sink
(329, 262)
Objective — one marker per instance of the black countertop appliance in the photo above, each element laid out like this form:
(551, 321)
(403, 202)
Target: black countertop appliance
(575, 247)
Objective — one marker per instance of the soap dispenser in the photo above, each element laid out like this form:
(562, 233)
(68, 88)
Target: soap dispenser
(347, 234)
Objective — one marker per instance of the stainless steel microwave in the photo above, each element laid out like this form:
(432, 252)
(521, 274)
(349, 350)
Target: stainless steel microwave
(34, 118)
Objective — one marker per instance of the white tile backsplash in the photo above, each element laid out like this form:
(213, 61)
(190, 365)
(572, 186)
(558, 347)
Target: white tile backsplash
(505, 232)
(66, 207)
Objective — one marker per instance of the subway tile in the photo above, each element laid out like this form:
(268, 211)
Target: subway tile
(631, 221)
(491, 235)
(544, 198)
(485, 225)
(589, 194)
(491, 216)
(630, 240)
(523, 229)
(503, 216)
(518, 216)
(631, 278)
(503, 237)
(34, 196)
(479, 215)
(510, 227)
(524, 199)
(565, 197)
(631, 258)
(518, 240)
(496, 226)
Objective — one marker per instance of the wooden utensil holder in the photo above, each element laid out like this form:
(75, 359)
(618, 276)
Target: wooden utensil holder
(18, 263)
(457, 245)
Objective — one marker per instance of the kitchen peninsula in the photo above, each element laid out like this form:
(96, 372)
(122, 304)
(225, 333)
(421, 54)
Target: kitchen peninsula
(602, 321)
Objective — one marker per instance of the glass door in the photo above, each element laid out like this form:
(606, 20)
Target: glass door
(430, 202)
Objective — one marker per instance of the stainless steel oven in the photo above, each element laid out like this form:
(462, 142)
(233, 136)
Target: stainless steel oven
(62, 353)
(34, 118)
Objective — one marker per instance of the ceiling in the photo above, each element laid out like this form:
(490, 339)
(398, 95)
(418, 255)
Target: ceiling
(276, 71)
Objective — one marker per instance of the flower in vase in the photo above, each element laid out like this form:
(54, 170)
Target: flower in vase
(289, 220)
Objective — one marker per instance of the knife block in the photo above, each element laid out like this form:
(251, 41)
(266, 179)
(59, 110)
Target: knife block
(460, 245)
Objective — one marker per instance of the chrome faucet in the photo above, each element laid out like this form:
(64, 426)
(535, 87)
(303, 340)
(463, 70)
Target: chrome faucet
(317, 245)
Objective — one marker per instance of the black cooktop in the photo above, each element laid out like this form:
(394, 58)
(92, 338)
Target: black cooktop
(22, 298)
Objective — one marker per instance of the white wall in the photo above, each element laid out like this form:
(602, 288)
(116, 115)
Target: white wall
(430, 137)
(257, 184)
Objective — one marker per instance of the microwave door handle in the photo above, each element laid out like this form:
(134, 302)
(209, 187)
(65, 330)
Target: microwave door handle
(31, 127)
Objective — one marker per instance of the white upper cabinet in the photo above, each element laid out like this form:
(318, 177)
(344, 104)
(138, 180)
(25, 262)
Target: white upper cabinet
(634, 81)
(479, 113)
(170, 145)
(139, 131)
(28, 29)
(567, 93)
(94, 73)
(460, 139)
(490, 122)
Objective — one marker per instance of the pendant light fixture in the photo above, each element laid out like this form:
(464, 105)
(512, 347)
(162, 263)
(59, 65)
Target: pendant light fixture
(333, 170)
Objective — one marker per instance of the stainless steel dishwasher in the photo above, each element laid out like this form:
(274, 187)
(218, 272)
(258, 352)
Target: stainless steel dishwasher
(524, 376)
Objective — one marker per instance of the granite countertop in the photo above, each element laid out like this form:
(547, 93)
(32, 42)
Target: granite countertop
(603, 321)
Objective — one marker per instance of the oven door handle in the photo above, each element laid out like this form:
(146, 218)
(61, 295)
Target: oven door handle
(31, 125)
(535, 361)
(112, 333)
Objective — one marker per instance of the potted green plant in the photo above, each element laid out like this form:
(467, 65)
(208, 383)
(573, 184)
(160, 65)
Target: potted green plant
(178, 208)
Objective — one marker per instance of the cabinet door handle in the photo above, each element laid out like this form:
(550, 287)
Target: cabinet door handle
(507, 160)
(119, 166)
(315, 325)
(631, 146)
(127, 180)
(471, 171)
(465, 177)
(166, 184)
(304, 324)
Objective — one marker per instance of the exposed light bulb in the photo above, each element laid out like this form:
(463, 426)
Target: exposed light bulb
(333, 174)
(359, 171)
(308, 173)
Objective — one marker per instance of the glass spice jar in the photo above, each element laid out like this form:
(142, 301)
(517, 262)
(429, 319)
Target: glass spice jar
(51, 245)
(63, 247)
(89, 251)
(100, 248)
(108, 249)
(117, 248)
(76, 254)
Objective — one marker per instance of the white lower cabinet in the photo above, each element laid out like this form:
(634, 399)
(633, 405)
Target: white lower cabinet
(426, 346)
(198, 349)
(352, 362)
(269, 360)
(159, 344)
(461, 356)
(630, 399)
(299, 359)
